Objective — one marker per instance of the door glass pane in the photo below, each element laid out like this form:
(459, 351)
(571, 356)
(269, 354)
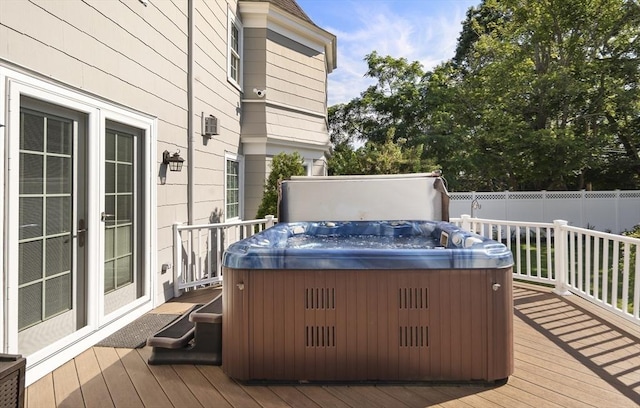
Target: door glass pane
(119, 193)
(30, 254)
(30, 217)
(32, 132)
(58, 175)
(125, 148)
(110, 210)
(125, 181)
(45, 217)
(31, 173)
(109, 276)
(59, 136)
(124, 272)
(30, 305)
(58, 255)
(57, 295)
(110, 182)
(58, 215)
(109, 242)
(124, 209)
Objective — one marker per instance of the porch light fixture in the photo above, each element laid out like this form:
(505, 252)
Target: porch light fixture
(174, 161)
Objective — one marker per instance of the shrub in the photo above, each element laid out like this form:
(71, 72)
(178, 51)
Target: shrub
(283, 166)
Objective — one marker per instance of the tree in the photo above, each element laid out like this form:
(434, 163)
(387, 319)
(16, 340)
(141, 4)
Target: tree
(387, 121)
(552, 90)
(390, 157)
(283, 166)
(541, 94)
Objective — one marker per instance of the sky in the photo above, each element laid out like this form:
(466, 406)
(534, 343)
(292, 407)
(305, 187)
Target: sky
(418, 30)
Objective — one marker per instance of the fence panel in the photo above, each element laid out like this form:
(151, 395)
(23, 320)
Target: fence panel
(606, 211)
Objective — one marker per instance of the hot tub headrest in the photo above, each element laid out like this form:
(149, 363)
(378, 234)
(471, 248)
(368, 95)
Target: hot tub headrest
(419, 196)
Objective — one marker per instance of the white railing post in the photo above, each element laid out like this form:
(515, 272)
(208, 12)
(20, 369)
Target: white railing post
(177, 259)
(561, 257)
(465, 222)
(269, 222)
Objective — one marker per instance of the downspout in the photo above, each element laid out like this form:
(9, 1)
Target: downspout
(190, 129)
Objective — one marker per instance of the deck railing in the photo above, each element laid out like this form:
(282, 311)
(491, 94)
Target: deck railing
(198, 249)
(597, 266)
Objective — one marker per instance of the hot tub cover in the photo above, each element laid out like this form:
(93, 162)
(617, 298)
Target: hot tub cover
(367, 245)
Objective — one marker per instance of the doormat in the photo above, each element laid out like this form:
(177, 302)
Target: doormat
(136, 333)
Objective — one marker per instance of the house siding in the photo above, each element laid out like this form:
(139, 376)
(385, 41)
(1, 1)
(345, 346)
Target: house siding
(255, 179)
(292, 115)
(214, 95)
(295, 73)
(135, 57)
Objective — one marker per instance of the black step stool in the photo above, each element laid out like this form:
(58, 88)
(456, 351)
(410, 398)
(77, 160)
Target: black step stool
(194, 338)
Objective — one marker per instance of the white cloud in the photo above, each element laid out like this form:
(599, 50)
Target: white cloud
(416, 34)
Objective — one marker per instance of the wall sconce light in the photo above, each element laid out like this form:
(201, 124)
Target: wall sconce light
(174, 161)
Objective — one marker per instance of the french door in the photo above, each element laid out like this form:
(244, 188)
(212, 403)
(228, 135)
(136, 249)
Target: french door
(52, 224)
(80, 222)
(122, 280)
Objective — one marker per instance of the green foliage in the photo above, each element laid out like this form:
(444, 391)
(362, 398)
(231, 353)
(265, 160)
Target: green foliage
(634, 233)
(540, 95)
(390, 157)
(283, 166)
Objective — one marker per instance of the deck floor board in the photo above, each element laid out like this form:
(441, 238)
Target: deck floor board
(568, 353)
(66, 385)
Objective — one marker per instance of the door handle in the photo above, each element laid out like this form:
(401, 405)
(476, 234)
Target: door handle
(82, 229)
(104, 216)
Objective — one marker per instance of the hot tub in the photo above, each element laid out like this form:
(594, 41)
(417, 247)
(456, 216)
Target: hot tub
(367, 301)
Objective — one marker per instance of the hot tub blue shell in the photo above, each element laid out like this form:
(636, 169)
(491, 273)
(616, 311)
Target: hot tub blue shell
(452, 248)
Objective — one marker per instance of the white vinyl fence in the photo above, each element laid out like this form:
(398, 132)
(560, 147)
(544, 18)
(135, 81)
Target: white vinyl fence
(597, 266)
(607, 211)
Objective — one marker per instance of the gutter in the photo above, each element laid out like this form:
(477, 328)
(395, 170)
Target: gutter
(190, 129)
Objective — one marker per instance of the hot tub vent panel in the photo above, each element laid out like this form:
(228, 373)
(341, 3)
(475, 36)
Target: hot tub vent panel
(320, 336)
(414, 336)
(413, 298)
(320, 298)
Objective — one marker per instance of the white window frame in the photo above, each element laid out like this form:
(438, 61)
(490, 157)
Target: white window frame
(240, 160)
(233, 21)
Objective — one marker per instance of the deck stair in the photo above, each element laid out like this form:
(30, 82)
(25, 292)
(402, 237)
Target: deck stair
(194, 338)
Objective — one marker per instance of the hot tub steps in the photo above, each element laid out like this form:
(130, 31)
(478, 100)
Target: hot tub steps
(193, 338)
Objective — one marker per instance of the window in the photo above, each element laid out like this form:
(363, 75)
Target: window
(233, 187)
(234, 50)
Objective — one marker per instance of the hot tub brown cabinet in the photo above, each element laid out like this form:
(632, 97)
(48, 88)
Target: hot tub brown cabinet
(368, 324)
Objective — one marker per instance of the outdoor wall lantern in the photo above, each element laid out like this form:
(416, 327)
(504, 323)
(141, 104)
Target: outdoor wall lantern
(174, 161)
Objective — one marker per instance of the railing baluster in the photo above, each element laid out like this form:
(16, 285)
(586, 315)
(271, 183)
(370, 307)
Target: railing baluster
(615, 273)
(203, 251)
(579, 261)
(605, 270)
(625, 277)
(596, 268)
(587, 265)
(528, 250)
(636, 286)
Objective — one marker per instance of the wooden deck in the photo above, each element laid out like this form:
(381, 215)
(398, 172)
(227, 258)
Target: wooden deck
(568, 353)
